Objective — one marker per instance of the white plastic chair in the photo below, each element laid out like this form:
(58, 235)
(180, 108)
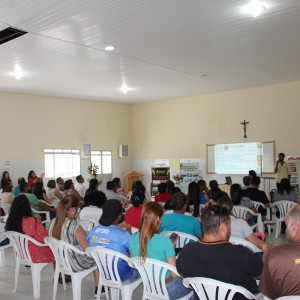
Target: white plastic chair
(207, 288)
(282, 206)
(153, 273)
(237, 241)
(2, 253)
(61, 251)
(5, 207)
(268, 215)
(47, 215)
(134, 230)
(241, 212)
(184, 238)
(107, 262)
(20, 244)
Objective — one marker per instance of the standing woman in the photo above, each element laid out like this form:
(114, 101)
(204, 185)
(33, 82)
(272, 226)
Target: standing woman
(20, 219)
(148, 244)
(6, 177)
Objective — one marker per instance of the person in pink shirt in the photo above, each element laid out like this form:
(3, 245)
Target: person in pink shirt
(20, 219)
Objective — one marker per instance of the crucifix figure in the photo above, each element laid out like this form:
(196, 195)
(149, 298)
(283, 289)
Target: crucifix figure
(245, 128)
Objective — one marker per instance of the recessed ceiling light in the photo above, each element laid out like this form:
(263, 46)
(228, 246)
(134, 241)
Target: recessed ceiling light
(109, 48)
(18, 72)
(255, 8)
(124, 88)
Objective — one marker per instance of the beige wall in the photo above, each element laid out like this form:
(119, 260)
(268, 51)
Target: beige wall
(181, 128)
(28, 124)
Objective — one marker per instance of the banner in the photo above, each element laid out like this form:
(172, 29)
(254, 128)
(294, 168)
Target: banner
(160, 173)
(189, 171)
(294, 162)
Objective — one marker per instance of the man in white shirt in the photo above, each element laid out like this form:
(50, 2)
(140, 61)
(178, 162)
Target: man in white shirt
(80, 187)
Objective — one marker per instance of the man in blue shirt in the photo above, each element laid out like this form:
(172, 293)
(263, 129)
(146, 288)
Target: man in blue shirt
(110, 235)
(178, 221)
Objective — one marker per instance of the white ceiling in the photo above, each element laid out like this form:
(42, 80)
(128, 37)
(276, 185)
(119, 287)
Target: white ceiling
(162, 47)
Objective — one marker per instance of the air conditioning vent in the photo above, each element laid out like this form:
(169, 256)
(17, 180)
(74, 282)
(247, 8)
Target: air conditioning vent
(9, 34)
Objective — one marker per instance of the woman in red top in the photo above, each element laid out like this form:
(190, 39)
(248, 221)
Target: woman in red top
(20, 219)
(163, 195)
(133, 214)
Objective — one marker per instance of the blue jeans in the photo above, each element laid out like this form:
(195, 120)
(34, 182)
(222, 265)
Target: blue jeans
(135, 275)
(177, 290)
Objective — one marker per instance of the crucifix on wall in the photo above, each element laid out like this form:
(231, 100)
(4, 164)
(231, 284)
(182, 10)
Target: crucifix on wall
(245, 128)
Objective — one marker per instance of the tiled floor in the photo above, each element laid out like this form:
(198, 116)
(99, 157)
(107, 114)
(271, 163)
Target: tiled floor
(24, 291)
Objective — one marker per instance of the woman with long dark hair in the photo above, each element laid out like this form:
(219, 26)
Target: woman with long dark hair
(93, 186)
(133, 214)
(39, 191)
(148, 244)
(20, 219)
(6, 177)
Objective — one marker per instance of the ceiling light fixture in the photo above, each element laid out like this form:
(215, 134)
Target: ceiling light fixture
(109, 48)
(18, 72)
(124, 88)
(255, 8)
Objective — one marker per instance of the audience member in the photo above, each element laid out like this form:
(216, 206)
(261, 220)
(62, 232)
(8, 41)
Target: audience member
(252, 174)
(280, 276)
(69, 189)
(194, 194)
(282, 169)
(163, 195)
(148, 244)
(178, 221)
(241, 229)
(21, 220)
(113, 236)
(285, 192)
(66, 228)
(119, 189)
(215, 192)
(256, 195)
(17, 190)
(134, 185)
(60, 184)
(214, 257)
(111, 192)
(6, 196)
(34, 201)
(80, 187)
(238, 199)
(246, 182)
(32, 177)
(4, 240)
(174, 190)
(53, 193)
(93, 186)
(39, 191)
(92, 210)
(133, 214)
(6, 177)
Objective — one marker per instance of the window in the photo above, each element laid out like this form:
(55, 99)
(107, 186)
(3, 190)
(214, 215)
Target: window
(62, 163)
(103, 160)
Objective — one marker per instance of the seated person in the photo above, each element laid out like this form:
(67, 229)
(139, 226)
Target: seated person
(80, 186)
(109, 234)
(216, 258)
(133, 214)
(92, 210)
(53, 193)
(215, 192)
(241, 229)
(17, 190)
(65, 227)
(35, 203)
(178, 221)
(246, 182)
(148, 244)
(6, 196)
(111, 193)
(39, 191)
(3, 238)
(93, 186)
(256, 195)
(163, 195)
(69, 189)
(174, 190)
(238, 199)
(21, 220)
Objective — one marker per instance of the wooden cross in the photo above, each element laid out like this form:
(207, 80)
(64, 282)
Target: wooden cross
(245, 128)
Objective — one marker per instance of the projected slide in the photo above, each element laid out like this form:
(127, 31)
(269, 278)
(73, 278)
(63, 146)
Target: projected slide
(238, 158)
